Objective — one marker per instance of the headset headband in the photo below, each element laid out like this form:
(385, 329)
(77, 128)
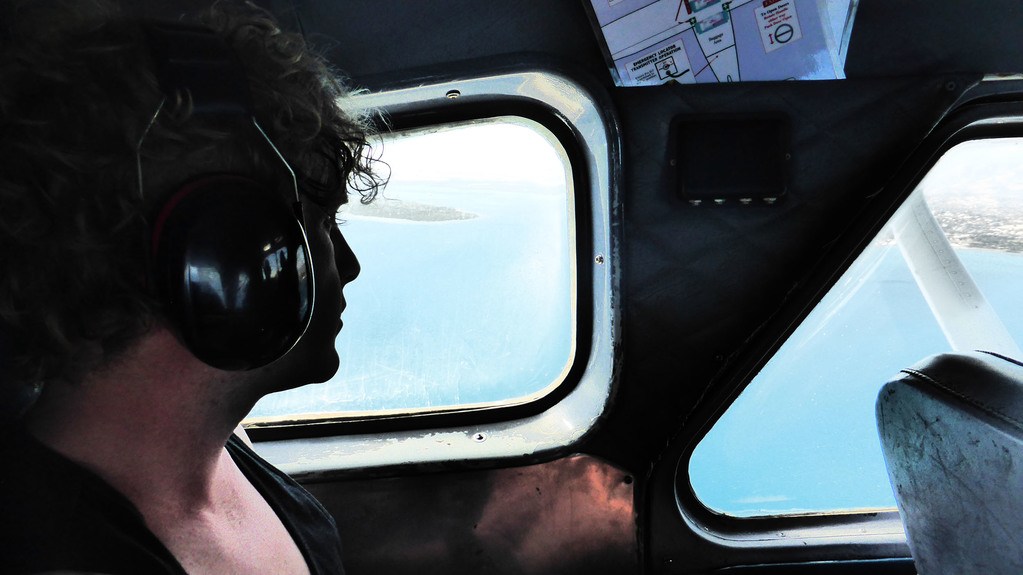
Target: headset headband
(194, 60)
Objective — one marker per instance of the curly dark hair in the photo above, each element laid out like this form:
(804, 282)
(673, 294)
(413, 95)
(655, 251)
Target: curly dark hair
(78, 91)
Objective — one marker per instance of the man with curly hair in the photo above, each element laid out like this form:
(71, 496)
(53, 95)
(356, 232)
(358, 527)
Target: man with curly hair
(128, 461)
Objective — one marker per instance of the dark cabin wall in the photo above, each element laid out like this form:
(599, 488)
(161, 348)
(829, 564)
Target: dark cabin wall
(921, 37)
(379, 43)
(699, 281)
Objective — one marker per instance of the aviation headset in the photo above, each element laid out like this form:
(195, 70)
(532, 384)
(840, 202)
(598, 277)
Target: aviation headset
(229, 256)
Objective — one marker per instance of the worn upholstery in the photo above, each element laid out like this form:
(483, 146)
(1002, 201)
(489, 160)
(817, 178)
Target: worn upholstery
(951, 430)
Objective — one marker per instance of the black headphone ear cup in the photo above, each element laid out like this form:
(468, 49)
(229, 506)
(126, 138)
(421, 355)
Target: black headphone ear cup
(231, 263)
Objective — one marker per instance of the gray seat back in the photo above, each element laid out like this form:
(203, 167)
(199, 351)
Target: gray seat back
(951, 430)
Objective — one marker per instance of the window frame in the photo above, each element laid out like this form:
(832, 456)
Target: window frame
(586, 127)
(722, 540)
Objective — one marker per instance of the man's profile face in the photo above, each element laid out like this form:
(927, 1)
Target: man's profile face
(314, 359)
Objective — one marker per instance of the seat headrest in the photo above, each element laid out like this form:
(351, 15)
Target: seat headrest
(951, 431)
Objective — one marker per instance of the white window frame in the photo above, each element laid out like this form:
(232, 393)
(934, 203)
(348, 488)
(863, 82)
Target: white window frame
(567, 421)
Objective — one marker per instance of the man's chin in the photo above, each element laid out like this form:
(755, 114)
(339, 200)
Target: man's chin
(318, 369)
(326, 375)
(294, 372)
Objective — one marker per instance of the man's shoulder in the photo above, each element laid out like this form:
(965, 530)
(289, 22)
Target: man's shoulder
(39, 500)
(32, 478)
(58, 516)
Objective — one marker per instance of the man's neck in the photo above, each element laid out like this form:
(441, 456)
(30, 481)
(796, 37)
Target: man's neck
(153, 424)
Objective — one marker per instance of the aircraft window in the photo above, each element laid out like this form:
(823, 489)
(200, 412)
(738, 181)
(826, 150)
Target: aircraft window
(468, 285)
(943, 274)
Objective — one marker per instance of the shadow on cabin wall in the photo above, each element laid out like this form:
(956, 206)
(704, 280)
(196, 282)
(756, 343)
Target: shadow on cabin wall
(571, 515)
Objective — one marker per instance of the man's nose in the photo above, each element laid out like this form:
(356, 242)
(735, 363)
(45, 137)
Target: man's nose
(348, 267)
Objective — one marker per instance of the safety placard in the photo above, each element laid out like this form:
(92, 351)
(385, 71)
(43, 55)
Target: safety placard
(649, 42)
(660, 65)
(778, 23)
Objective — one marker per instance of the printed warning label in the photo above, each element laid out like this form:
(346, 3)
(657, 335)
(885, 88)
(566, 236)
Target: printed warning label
(778, 23)
(666, 62)
(700, 41)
